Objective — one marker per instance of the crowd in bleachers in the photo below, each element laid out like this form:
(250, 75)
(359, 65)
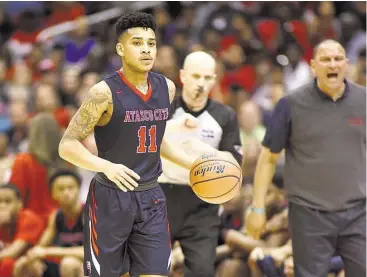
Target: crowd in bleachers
(262, 49)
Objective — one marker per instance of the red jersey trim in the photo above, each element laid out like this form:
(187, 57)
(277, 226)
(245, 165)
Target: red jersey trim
(146, 96)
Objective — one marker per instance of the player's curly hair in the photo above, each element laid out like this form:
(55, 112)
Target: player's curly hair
(134, 19)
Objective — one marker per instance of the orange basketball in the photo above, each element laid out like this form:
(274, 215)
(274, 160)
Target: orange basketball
(215, 179)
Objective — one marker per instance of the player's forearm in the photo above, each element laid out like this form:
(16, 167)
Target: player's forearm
(264, 174)
(76, 251)
(171, 152)
(74, 152)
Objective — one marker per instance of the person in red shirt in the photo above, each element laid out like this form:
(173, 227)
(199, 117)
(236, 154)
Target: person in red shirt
(19, 229)
(31, 170)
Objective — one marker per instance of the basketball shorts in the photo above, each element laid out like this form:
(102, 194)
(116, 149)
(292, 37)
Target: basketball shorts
(126, 232)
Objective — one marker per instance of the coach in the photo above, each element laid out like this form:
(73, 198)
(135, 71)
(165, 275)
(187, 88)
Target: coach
(321, 126)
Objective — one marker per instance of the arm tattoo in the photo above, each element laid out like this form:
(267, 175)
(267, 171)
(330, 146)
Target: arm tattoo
(83, 122)
(94, 99)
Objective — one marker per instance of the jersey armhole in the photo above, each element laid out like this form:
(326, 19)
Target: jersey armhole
(113, 96)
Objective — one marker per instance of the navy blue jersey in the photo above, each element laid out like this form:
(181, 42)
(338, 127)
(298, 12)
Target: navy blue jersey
(135, 131)
(68, 233)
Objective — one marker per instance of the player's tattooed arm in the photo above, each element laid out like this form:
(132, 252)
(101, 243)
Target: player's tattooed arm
(82, 124)
(89, 113)
(72, 150)
(171, 89)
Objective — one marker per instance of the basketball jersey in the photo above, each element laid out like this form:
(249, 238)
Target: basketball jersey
(68, 234)
(135, 131)
(218, 127)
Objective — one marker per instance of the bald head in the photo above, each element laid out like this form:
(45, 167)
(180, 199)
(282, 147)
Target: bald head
(198, 58)
(198, 78)
(325, 44)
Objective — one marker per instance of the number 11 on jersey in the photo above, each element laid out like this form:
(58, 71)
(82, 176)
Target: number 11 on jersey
(142, 135)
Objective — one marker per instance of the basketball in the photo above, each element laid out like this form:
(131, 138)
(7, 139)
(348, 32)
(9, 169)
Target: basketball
(215, 179)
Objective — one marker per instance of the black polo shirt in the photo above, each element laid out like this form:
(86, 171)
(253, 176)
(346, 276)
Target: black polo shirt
(325, 143)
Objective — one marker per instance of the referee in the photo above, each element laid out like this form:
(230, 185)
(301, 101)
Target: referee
(193, 222)
(321, 126)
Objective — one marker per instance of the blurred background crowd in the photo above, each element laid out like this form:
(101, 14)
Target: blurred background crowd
(262, 49)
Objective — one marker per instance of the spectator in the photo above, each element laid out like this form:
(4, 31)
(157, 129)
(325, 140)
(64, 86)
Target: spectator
(63, 11)
(57, 56)
(6, 158)
(165, 26)
(60, 247)
(297, 72)
(48, 101)
(47, 72)
(241, 245)
(210, 39)
(278, 262)
(357, 71)
(250, 123)
(6, 26)
(353, 36)
(88, 79)
(18, 132)
(30, 170)
(18, 88)
(24, 37)
(19, 229)
(79, 45)
(233, 57)
(166, 63)
(70, 84)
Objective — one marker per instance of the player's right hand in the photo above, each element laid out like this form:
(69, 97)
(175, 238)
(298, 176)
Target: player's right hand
(122, 176)
(255, 224)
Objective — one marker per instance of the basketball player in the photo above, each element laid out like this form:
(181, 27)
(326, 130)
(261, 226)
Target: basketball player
(63, 238)
(126, 221)
(193, 222)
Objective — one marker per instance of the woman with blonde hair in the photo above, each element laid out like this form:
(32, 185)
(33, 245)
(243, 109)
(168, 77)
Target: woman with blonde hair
(30, 170)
